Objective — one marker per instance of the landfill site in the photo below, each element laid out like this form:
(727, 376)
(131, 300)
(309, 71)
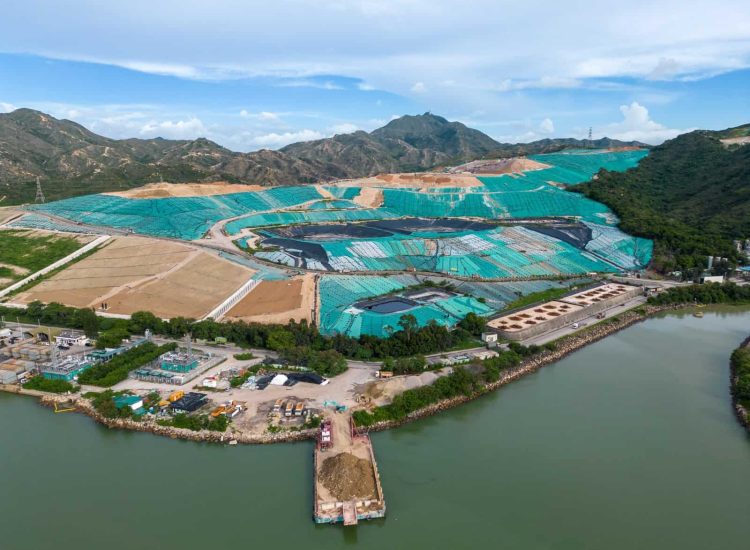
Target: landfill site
(351, 257)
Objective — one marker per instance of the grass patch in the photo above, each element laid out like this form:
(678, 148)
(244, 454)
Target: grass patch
(41, 383)
(34, 252)
(54, 272)
(541, 296)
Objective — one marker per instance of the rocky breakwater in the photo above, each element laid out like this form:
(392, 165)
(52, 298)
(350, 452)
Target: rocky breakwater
(563, 347)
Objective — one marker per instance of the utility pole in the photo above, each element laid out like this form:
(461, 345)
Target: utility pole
(39, 193)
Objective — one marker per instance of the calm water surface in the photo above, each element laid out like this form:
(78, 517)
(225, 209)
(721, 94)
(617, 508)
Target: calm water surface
(629, 443)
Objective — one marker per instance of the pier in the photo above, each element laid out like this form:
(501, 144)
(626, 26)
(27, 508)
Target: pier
(347, 486)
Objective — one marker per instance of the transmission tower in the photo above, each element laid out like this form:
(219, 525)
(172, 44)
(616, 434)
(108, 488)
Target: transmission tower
(39, 193)
(590, 133)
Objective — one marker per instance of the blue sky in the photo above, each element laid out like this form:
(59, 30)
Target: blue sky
(251, 74)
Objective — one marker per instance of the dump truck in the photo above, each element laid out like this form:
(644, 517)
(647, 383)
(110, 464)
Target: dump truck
(289, 408)
(325, 436)
(277, 406)
(299, 408)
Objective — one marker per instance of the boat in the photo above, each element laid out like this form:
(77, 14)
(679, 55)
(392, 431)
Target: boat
(698, 314)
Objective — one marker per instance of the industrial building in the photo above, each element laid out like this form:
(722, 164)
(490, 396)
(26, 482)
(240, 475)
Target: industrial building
(133, 402)
(178, 362)
(158, 376)
(66, 369)
(190, 402)
(542, 318)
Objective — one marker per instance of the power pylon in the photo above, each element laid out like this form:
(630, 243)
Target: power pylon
(39, 193)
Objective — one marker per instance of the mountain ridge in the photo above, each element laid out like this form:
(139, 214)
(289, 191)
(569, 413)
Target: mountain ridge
(72, 160)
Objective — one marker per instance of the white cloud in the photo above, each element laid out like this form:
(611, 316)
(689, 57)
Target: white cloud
(547, 126)
(180, 129)
(383, 46)
(466, 52)
(637, 125)
(275, 140)
(665, 69)
(168, 69)
(345, 128)
(309, 83)
(546, 82)
(6, 107)
(264, 116)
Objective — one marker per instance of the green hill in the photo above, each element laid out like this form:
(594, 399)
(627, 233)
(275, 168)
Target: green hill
(691, 195)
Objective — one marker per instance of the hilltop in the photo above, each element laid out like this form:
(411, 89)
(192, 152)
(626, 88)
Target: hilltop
(690, 194)
(72, 160)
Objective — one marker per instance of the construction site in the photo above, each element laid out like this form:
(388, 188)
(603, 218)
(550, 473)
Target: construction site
(314, 253)
(351, 257)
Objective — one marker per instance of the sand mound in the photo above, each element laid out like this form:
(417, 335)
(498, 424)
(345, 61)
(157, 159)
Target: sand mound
(369, 197)
(502, 166)
(163, 189)
(348, 477)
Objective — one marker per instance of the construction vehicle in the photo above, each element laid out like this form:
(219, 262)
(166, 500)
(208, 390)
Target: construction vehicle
(289, 408)
(221, 409)
(299, 408)
(325, 436)
(175, 396)
(277, 406)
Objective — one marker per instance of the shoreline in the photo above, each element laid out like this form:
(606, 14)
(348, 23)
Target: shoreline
(566, 346)
(742, 414)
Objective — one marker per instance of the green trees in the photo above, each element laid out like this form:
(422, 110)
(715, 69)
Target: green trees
(88, 321)
(327, 363)
(473, 324)
(112, 338)
(462, 381)
(280, 339)
(116, 370)
(104, 403)
(741, 367)
(410, 365)
(40, 383)
(710, 293)
(197, 422)
(691, 195)
(141, 321)
(410, 340)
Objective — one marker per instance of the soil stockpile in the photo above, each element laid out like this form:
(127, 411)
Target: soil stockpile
(347, 477)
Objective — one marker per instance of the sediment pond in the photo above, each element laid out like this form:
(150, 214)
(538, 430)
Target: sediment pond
(628, 443)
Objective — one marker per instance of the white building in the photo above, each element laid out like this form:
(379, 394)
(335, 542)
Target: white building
(71, 338)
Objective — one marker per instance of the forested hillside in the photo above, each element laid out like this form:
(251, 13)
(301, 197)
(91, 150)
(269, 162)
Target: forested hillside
(691, 195)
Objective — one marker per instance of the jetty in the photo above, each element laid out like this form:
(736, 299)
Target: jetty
(347, 486)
